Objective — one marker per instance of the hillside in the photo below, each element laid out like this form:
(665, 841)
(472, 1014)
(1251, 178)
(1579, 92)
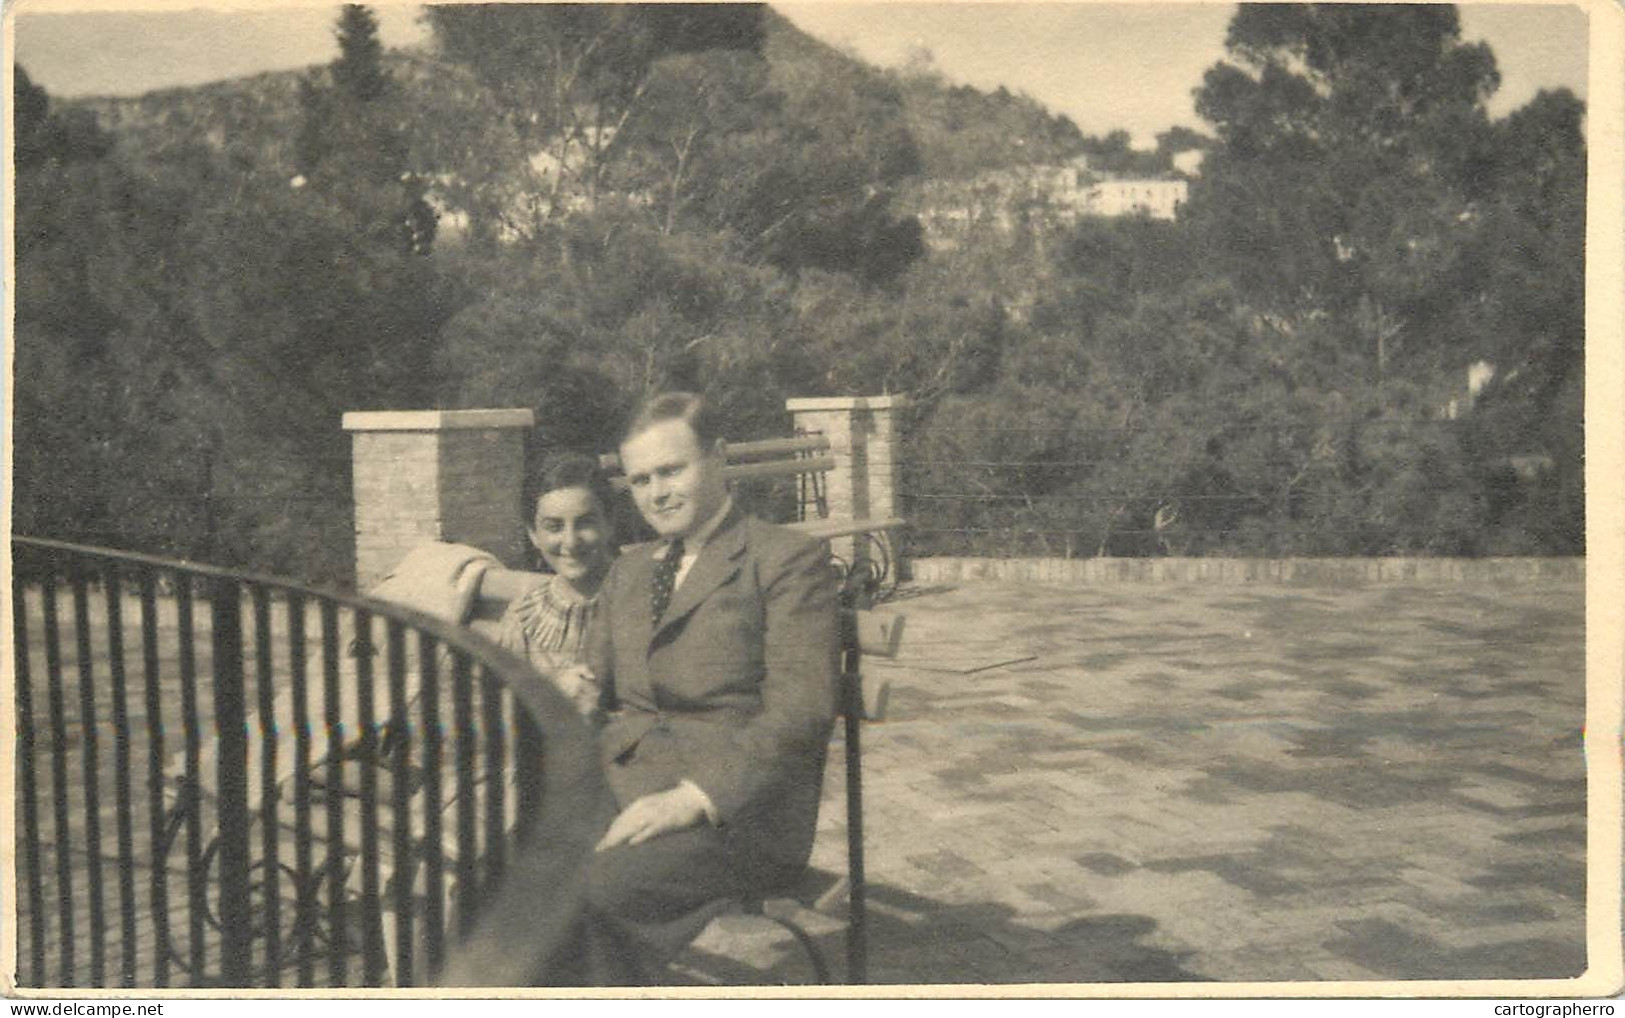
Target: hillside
(958, 131)
(962, 131)
(207, 287)
(253, 119)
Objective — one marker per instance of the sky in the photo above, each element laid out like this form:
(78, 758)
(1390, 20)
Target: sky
(1106, 65)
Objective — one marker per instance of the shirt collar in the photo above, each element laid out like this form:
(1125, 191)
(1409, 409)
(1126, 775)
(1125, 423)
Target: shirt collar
(697, 540)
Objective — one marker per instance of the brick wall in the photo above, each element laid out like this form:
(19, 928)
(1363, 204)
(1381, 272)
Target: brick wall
(862, 433)
(434, 475)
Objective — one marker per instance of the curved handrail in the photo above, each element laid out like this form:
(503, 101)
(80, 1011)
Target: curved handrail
(571, 786)
(516, 673)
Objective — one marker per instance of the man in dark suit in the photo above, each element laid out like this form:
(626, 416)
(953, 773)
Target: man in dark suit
(716, 650)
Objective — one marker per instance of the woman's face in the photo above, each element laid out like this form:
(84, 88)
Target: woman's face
(572, 533)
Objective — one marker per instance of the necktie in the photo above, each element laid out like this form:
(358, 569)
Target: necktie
(665, 579)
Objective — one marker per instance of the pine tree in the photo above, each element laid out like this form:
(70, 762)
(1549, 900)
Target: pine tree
(352, 145)
(359, 71)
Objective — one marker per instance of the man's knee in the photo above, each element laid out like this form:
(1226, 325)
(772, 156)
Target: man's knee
(664, 872)
(614, 881)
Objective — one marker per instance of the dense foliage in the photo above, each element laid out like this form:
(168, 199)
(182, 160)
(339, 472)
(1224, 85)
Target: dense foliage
(564, 207)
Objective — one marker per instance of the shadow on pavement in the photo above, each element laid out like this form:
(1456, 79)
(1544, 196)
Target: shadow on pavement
(915, 939)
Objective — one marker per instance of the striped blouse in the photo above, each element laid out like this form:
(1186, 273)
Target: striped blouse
(548, 626)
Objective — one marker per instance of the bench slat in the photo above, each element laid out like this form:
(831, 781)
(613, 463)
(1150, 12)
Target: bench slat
(757, 470)
(737, 452)
(776, 447)
(779, 468)
(826, 529)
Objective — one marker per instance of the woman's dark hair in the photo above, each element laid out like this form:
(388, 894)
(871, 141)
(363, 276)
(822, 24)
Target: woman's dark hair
(567, 469)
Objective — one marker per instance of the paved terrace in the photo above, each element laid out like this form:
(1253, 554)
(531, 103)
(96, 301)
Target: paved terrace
(1159, 781)
(1218, 782)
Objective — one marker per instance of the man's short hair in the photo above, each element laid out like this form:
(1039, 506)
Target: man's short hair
(688, 407)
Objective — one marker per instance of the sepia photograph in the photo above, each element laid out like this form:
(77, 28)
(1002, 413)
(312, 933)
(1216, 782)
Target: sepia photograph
(997, 498)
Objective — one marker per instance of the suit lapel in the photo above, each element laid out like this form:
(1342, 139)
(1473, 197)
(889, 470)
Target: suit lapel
(641, 570)
(718, 562)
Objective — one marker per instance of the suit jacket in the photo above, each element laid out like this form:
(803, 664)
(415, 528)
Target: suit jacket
(734, 688)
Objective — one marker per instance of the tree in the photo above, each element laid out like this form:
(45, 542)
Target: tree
(189, 330)
(617, 310)
(571, 76)
(812, 186)
(1340, 178)
(64, 470)
(30, 118)
(44, 134)
(693, 103)
(353, 146)
(1177, 139)
(358, 71)
(1523, 275)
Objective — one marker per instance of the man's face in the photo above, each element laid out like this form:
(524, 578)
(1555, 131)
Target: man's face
(677, 485)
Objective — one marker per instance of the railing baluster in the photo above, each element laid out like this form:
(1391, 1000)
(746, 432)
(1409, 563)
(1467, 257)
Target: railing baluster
(463, 715)
(434, 912)
(59, 781)
(270, 833)
(191, 788)
(157, 808)
(90, 749)
(372, 953)
(28, 771)
(857, 931)
(237, 886)
(231, 719)
(496, 779)
(305, 901)
(121, 769)
(334, 792)
(400, 762)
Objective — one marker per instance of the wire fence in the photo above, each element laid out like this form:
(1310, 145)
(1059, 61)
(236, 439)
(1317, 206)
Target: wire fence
(967, 487)
(1270, 487)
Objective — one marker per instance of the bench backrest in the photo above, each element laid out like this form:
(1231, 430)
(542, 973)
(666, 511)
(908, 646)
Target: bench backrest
(772, 457)
(805, 458)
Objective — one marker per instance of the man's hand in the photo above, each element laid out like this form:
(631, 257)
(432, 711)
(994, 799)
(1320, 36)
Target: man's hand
(653, 815)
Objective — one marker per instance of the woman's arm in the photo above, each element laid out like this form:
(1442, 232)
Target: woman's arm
(500, 584)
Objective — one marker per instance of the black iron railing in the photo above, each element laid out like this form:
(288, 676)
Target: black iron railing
(232, 780)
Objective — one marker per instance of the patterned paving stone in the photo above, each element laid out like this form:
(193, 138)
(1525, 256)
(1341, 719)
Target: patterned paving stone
(1244, 783)
(1241, 784)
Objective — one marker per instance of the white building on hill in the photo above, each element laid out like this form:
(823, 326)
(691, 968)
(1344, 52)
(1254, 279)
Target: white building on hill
(1159, 199)
(1056, 194)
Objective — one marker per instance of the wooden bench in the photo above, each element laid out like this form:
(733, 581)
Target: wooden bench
(864, 633)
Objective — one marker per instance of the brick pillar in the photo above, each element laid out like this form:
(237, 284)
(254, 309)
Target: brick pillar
(862, 433)
(436, 475)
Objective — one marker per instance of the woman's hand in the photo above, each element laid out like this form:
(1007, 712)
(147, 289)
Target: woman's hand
(579, 684)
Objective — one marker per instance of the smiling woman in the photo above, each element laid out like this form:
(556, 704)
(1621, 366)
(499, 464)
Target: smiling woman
(571, 529)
